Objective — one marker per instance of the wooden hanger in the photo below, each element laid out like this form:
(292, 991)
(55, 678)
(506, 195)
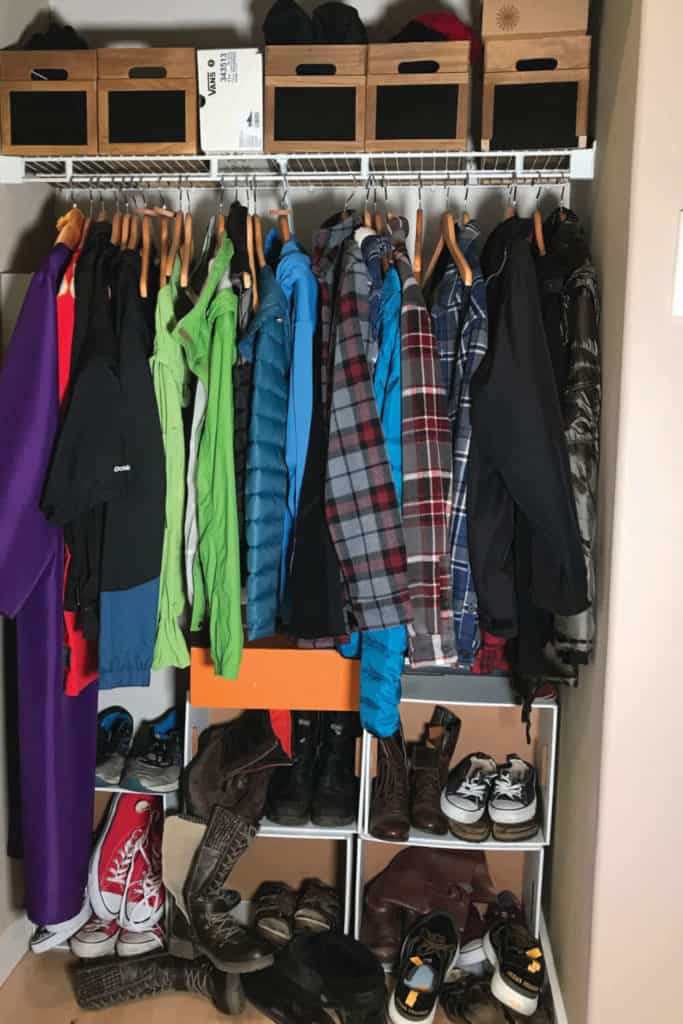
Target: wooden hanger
(258, 242)
(252, 261)
(175, 242)
(147, 251)
(220, 219)
(538, 233)
(125, 225)
(163, 249)
(70, 228)
(134, 234)
(450, 238)
(419, 231)
(538, 225)
(187, 252)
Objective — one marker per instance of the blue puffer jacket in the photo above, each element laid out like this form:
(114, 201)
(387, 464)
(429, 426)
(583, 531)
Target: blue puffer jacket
(268, 345)
(382, 651)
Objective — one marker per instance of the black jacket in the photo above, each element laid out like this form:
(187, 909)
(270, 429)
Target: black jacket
(109, 456)
(524, 539)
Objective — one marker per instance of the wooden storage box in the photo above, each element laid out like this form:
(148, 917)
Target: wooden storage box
(315, 98)
(147, 101)
(276, 676)
(418, 96)
(536, 93)
(502, 19)
(48, 102)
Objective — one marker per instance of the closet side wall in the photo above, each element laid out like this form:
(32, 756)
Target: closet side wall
(635, 961)
(579, 775)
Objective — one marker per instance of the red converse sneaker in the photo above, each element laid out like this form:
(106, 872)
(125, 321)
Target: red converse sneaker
(125, 830)
(136, 943)
(96, 938)
(143, 904)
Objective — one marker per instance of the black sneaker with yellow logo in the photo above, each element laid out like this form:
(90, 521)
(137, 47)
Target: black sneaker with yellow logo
(428, 951)
(519, 969)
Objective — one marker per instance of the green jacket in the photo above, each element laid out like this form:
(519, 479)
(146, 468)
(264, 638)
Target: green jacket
(170, 376)
(208, 336)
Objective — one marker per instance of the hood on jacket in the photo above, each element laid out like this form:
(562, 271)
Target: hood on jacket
(501, 240)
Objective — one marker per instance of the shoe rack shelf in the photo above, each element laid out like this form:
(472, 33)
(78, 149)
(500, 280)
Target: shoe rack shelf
(457, 691)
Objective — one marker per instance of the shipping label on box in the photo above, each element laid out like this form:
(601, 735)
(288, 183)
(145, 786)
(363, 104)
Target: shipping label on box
(230, 100)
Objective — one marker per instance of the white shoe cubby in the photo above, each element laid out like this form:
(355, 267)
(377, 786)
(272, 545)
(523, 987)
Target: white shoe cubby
(493, 698)
(198, 719)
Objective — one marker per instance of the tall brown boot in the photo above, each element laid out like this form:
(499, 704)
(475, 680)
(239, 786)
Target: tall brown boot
(389, 818)
(431, 758)
(233, 766)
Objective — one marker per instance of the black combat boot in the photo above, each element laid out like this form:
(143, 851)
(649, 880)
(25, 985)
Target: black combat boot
(213, 930)
(291, 789)
(99, 984)
(335, 802)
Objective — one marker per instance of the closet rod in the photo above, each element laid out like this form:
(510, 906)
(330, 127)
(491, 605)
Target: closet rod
(126, 182)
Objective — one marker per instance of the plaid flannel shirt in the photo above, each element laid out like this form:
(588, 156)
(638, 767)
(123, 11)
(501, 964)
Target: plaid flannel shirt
(427, 472)
(362, 509)
(461, 327)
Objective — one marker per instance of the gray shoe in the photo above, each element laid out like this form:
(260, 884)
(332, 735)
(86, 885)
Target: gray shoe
(114, 735)
(156, 758)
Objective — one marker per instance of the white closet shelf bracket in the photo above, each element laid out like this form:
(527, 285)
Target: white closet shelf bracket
(305, 170)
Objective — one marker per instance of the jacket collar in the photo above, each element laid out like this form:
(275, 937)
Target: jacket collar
(328, 242)
(272, 306)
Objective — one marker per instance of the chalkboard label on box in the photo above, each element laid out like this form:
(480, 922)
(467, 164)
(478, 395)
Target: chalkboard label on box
(146, 117)
(315, 114)
(48, 119)
(417, 111)
(535, 116)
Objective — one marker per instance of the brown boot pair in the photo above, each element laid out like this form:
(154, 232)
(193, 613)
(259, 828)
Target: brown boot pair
(407, 790)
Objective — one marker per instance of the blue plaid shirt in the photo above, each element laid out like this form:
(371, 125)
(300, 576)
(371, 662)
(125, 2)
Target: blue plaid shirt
(461, 329)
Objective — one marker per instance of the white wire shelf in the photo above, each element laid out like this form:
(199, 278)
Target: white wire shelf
(305, 170)
(449, 842)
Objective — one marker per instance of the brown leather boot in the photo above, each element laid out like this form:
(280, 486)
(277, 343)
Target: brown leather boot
(431, 758)
(389, 818)
(233, 766)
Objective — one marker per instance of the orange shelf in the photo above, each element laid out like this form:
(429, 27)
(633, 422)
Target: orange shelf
(278, 678)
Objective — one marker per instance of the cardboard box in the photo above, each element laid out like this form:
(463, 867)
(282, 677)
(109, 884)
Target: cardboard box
(315, 99)
(48, 102)
(147, 101)
(502, 19)
(230, 100)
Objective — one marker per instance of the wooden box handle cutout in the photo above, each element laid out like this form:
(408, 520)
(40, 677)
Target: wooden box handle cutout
(316, 69)
(144, 72)
(537, 64)
(49, 74)
(418, 67)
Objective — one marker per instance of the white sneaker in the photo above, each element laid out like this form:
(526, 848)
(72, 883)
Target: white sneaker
(47, 937)
(465, 795)
(136, 943)
(96, 938)
(513, 800)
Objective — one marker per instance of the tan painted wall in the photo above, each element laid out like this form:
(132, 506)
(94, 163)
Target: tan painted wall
(616, 873)
(573, 855)
(639, 884)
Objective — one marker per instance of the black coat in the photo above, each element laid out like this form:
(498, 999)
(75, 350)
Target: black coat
(524, 540)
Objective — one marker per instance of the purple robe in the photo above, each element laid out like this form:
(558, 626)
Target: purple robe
(57, 734)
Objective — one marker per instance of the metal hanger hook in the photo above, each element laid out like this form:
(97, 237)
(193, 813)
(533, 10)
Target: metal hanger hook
(539, 193)
(419, 192)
